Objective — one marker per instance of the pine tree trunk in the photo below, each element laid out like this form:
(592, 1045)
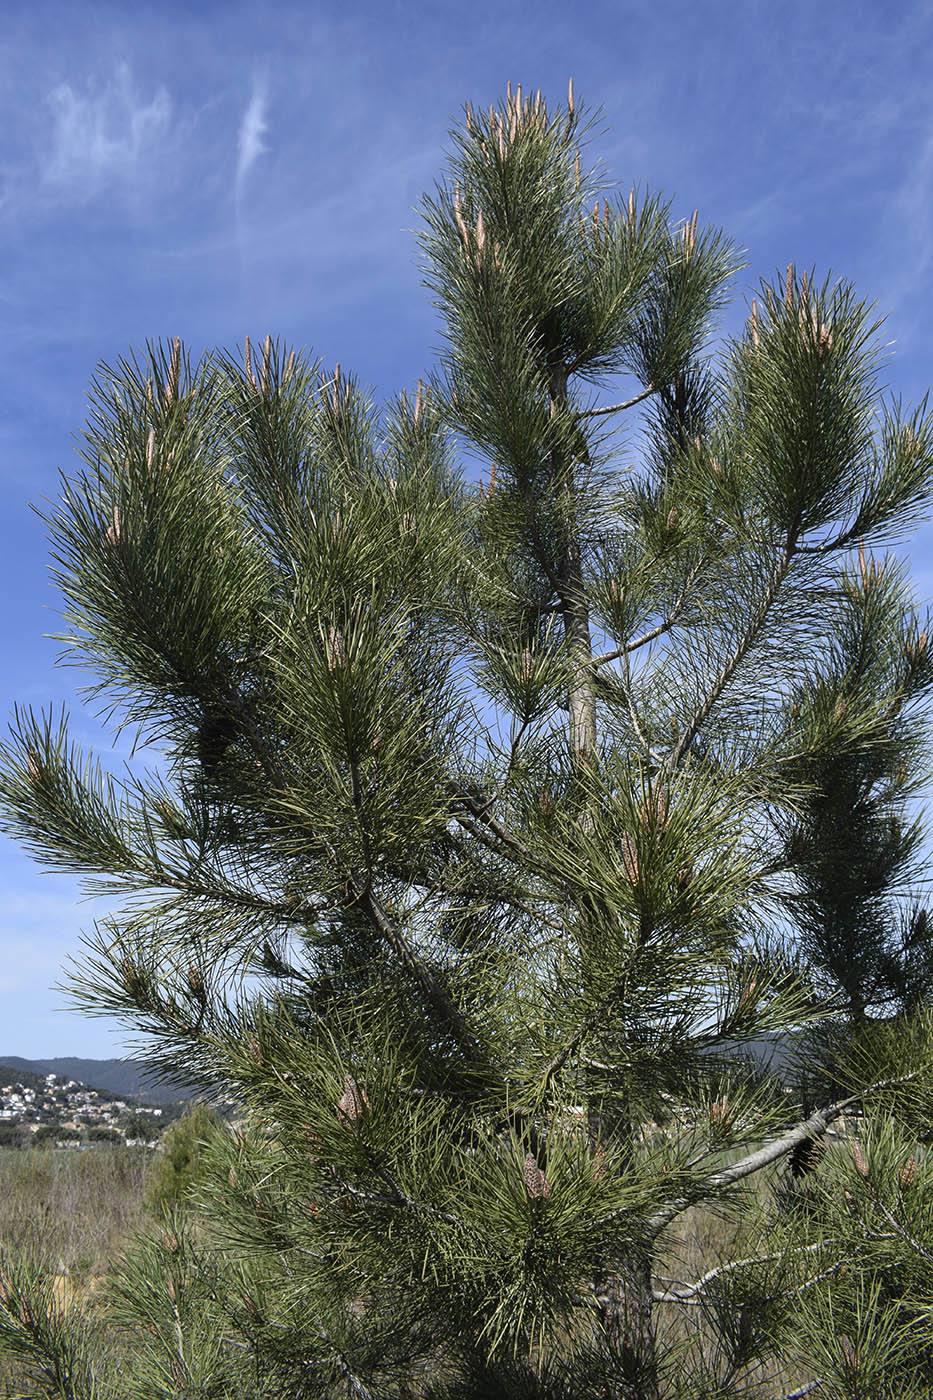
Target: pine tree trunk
(626, 1299)
(628, 1317)
(581, 699)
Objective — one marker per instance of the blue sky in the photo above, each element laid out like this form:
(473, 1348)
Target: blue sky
(207, 170)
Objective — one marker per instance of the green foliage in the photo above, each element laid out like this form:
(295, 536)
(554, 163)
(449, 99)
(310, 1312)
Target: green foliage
(48, 1134)
(53, 1350)
(142, 1127)
(177, 1167)
(491, 824)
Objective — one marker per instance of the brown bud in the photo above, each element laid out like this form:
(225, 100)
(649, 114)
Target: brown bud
(570, 97)
(150, 449)
(536, 1183)
(908, 1173)
(840, 708)
(629, 855)
(492, 478)
(673, 515)
(174, 369)
(848, 1352)
(112, 532)
(685, 875)
(170, 1240)
(858, 1157)
(480, 235)
(690, 234)
(336, 650)
(266, 366)
(789, 285)
(748, 997)
(248, 362)
(915, 649)
(231, 1177)
(753, 324)
(719, 1114)
(195, 982)
(545, 803)
(657, 803)
(354, 1102)
(458, 216)
(527, 670)
(289, 367)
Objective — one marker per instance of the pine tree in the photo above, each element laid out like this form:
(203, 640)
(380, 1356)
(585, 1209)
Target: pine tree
(485, 829)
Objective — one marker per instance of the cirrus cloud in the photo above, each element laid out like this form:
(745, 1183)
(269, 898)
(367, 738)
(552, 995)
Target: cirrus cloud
(105, 134)
(253, 127)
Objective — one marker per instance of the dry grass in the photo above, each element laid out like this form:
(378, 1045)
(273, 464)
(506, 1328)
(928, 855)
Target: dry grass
(78, 1206)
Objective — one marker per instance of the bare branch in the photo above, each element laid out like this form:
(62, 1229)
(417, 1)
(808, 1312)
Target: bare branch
(683, 1293)
(661, 628)
(619, 407)
(813, 1127)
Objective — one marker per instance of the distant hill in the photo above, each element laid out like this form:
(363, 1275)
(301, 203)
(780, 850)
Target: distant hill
(125, 1078)
(25, 1077)
(133, 1079)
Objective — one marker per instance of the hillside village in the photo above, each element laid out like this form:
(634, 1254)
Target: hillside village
(55, 1110)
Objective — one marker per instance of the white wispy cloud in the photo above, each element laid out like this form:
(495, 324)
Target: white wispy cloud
(253, 127)
(105, 133)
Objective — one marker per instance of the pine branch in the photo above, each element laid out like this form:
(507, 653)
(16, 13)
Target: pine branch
(619, 407)
(732, 663)
(448, 1012)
